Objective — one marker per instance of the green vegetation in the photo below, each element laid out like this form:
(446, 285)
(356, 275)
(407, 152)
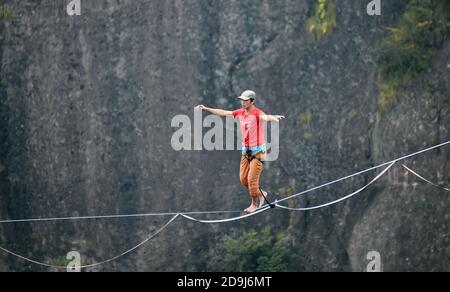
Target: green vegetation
(323, 21)
(60, 261)
(305, 118)
(254, 251)
(352, 114)
(5, 13)
(285, 192)
(410, 46)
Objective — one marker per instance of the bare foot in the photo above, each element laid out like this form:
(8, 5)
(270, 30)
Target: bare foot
(261, 199)
(251, 209)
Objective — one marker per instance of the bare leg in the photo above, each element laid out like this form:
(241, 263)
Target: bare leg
(261, 198)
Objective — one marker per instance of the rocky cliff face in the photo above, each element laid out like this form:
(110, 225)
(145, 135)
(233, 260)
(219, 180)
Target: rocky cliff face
(86, 108)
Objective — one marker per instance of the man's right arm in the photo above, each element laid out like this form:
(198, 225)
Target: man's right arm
(219, 112)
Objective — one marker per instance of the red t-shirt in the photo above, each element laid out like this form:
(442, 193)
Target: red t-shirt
(250, 125)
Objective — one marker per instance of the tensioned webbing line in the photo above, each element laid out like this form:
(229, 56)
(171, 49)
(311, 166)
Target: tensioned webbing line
(425, 180)
(365, 171)
(115, 216)
(266, 207)
(187, 214)
(341, 199)
(260, 210)
(99, 263)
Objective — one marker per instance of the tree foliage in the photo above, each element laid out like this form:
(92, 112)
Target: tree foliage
(323, 21)
(254, 251)
(410, 46)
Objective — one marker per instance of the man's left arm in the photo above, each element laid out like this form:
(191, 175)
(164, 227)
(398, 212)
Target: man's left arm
(271, 118)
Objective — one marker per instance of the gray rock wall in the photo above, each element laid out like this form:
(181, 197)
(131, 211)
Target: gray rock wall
(86, 110)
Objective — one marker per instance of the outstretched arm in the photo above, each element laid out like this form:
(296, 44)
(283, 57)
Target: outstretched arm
(271, 118)
(219, 112)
